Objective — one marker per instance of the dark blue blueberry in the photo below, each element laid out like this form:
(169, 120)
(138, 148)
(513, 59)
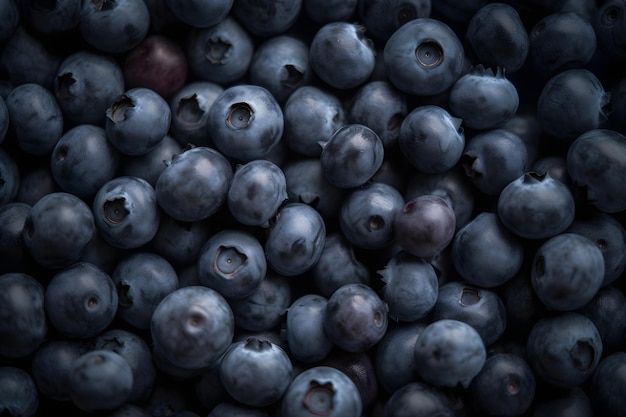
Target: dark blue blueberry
(394, 358)
(560, 41)
(610, 237)
(36, 183)
(135, 349)
(256, 372)
(351, 156)
(149, 166)
(143, 280)
(306, 338)
(210, 391)
(338, 265)
(295, 240)
(368, 215)
(126, 23)
(573, 402)
(536, 206)
(567, 271)
(126, 212)
(497, 37)
(606, 310)
(24, 325)
(195, 184)
(83, 160)
(449, 353)
(355, 318)
(326, 11)
(306, 184)
(100, 380)
(18, 393)
(484, 98)
(431, 139)
(342, 55)
(596, 162)
(51, 365)
(51, 18)
(571, 103)
(610, 28)
(358, 366)
(481, 308)
(180, 242)
(383, 17)
(232, 262)
(266, 18)
(58, 229)
(485, 252)
(85, 85)
(11, 15)
(381, 107)
(564, 349)
(14, 256)
(553, 165)
(221, 53)
(137, 121)
(192, 327)
(200, 13)
(493, 158)
(281, 65)
(411, 287)
(418, 399)
(526, 125)
(606, 390)
(189, 108)
(36, 118)
(256, 192)
(311, 114)
(523, 307)
(9, 177)
(245, 122)
(322, 390)
(263, 309)
(452, 185)
(505, 386)
(425, 225)
(424, 57)
(80, 300)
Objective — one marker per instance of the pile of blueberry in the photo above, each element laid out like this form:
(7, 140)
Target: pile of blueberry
(290, 208)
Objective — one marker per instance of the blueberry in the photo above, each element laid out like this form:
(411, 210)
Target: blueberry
(256, 372)
(411, 287)
(341, 55)
(266, 18)
(179, 242)
(351, 156)
(100, 380)
(326, 11)
(149, 166)
(231, 409)
(195, 184)
(232, 262)
(137, 121)
(394, 359)
(571, 103)
(256, 192)
(143, 280)
(11, 14)
(485, 252)
(605, 310)
(484, 98)
(83, 160)
(596, 161)
(58, 229)
(23, 302)
(449, 353)
(192, 327)
(424, 57)
(245, 122)
(13, 254)
(481, 308)
(425, 225)
(567, 271)
(431, 139)
(4, 118)
(355, 317)
(322, 390)
(418, 399)
(306, 338)
(80, 300)
(555, 166)
(126, 212)
(18, 392)
(311, 114)
(35, 183)
(608, 24)
(9, 176)
(368, 214)
(295, 240)
(497, 37)
(606, 390)
(200, 13)
(36, 118)
(564, 349)
(383, 18)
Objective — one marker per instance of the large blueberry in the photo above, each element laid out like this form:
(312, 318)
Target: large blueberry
(266, 18)
(19, 395)
(418, 399)
(383, 18)
(13, 254)
(149, 166)
(606, 390)
(306, 338)
(199, 13)
(394, 359)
